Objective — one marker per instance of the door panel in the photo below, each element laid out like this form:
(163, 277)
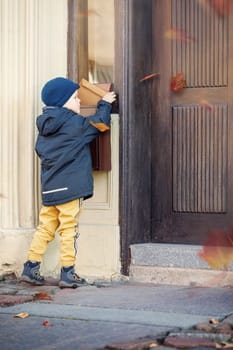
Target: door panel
(192, 185)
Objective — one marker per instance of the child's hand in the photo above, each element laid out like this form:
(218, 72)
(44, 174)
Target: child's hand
(110, 97)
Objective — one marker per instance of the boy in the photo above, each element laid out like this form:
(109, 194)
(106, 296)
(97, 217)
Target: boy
(66, 174)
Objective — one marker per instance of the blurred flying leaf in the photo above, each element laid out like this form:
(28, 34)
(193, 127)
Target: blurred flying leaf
(42, 296)
(179, 35)
(217, 252)
(22, 315)
(207, 105)
(177, 82)
(149, 76)
(100, 126)
(222, 7)
(47, 324)
(89, 13)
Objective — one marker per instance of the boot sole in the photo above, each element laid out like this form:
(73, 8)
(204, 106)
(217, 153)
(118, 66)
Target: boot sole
(28, 280)
(63, 284)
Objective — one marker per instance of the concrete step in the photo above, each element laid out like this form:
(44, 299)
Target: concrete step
(177, 264)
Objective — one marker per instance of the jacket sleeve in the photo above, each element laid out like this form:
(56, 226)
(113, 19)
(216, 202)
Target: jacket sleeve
(98, 122)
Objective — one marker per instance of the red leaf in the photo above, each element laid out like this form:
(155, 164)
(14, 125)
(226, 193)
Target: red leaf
(178, 82)
(218, 249)
(42, 296)
(222, 7)
(179, 35)
(47, 324)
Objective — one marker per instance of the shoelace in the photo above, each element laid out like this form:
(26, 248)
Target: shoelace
(76, 277)
(38, 276)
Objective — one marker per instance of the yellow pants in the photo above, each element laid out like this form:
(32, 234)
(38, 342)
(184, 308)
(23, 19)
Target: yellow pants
(64, 219)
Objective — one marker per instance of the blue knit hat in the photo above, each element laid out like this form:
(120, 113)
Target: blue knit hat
(57, 91)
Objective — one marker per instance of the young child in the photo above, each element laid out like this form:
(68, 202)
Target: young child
(66, 174)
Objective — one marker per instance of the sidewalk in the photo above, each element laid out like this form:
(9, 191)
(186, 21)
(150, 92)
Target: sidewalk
(120, 315)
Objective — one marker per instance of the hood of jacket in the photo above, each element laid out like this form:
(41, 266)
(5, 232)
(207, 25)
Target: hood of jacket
(52, 119)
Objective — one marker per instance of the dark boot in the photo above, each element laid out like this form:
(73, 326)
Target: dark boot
(31, 273)
(69, 279)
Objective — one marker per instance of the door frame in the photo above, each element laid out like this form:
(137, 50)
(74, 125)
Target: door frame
(133, 30)
(133, 20)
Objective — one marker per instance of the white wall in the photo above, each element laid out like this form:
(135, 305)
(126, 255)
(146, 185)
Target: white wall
(33, 48)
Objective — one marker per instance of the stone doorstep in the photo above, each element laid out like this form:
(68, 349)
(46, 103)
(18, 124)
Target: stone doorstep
(180, 276)
(168, 255)
(177, 264)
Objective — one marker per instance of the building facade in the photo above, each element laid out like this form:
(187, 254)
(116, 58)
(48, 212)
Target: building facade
(34, 47)
(170, 181)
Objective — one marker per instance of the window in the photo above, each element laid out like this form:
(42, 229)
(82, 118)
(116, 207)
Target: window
(100, 41)
(91, 40)
(91, 56)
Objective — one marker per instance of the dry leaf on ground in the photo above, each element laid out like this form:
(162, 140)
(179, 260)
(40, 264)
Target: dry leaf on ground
(42, 296)
(22, 315)
(213, 321)
(47, 324)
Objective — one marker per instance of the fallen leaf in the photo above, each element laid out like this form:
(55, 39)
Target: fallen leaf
(224, 345)
(217, 251)
(42, 296)
(22, 315)
(47, 324)
(100, 126)
(149, 76)
(213, 321)
(178, 82)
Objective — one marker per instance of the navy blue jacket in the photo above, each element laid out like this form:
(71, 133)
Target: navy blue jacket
(63, 147)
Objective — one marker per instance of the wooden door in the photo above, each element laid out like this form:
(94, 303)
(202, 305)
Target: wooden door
(192, 130)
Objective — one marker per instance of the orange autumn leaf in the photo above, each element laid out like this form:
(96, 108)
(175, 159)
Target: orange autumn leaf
(217, 252)
(178, 34)
(149, 76)
(100, 126)
(207, 105)
(222, 7)
(89, 13)
(22, 315)
(42, 296)
(178, 82)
